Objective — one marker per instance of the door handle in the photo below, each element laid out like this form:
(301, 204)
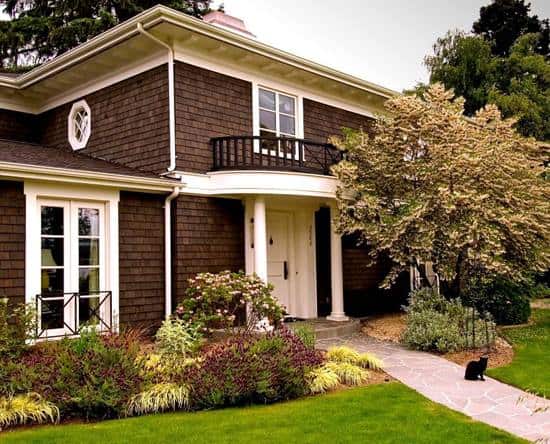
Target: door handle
(285, 270)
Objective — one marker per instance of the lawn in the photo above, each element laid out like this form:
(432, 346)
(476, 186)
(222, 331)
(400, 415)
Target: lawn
(385, 413)
(530, 367)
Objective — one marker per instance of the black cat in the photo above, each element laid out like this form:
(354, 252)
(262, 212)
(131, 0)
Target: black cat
(475, 369)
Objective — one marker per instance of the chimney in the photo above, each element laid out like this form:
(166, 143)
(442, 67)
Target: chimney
(226, 21)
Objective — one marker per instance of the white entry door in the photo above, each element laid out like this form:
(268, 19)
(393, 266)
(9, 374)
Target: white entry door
(72, 266)
(278, 272)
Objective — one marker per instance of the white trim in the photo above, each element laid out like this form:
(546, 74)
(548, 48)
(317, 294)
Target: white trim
(168, 251)
(250, 182)
(76, 143)
(37, 192)
(22, 171)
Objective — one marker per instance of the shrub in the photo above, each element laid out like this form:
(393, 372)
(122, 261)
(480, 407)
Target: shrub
(252, 369)
(219, 301)
(91, 377)
(25, 409)
(178, 338)
(507, 301)
(159, 398)
(348, 374)
(437, 324)
(347, 355)
(321, 380)
(16, 326)
(306, 333)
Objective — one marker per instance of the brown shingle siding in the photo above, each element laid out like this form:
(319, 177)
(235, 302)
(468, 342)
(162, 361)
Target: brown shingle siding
(129, 122)
(323, 121)
(208, 104)
(18, 126)
(141, 226)
(209, 237)
(12, 241)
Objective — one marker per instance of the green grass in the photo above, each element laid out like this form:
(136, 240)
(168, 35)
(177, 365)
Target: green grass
(530, 367)
(386, 413)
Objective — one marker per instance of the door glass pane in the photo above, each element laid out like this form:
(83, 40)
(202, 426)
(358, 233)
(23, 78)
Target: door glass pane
(88, 280)
(88, 222)
(52, 315)
(52, 220)
(88, 311)
(88, 251)
(52, 281)
(267, 120)
(267, 99)
(287, 125)
(52, 251)
(286, 104)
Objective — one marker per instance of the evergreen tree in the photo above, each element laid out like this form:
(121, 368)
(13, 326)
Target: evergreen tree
(502, 22)
(42, 29)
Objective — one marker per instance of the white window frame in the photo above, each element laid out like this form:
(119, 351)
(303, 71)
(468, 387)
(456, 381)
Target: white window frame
(38, 194)
(298, 114)
(78, 144)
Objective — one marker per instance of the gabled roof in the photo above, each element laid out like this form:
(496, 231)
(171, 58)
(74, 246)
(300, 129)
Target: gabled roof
(177, 28)
(16, 156)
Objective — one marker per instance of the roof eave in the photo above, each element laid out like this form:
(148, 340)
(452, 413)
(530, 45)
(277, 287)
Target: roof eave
(158, 14)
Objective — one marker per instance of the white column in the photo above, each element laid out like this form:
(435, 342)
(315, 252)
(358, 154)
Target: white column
(337, 312)
(260, 239)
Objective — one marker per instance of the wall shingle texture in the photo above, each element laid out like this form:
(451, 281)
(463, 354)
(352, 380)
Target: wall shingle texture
(141, 258)
(12, 241)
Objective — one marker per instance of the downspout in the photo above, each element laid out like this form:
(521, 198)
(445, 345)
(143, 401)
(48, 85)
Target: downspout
(168, 252)
(171, 96)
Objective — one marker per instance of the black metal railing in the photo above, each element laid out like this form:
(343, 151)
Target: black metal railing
(72, 312)
(273, 153)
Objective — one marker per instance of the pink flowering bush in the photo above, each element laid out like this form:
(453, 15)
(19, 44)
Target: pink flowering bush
(225, 300)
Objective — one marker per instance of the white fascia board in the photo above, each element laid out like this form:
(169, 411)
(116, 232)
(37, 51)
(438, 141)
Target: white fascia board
(250, 182)
(120, 181)
(159, 14)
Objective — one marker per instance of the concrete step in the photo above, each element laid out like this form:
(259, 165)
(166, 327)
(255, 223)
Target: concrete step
(325, 329)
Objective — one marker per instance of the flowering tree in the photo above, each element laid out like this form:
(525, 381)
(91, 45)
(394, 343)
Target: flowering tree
(429, 185)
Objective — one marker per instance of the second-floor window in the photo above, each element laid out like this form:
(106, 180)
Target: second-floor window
(277, 114)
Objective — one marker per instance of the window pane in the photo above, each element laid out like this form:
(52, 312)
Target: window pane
(286, 104)
(88, 281)
(52, 251)
(88, 251)
(88, 311)
(287, 124)
(267, 120)
(52, 220)
(51, 314)
(88, 222)
(52, 281)
(267, 99)
(266, 143)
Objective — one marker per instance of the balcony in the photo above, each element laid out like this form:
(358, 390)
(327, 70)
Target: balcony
(67, 314)
(273, 153)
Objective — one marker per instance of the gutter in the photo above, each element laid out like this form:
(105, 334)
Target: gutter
(171, 95)
(168, 252)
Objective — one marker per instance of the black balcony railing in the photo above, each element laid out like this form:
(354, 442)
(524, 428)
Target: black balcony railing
(273, 153)
(67, 314)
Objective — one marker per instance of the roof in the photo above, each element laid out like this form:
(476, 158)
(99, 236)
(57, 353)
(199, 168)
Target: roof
(175, 28)
(16, 153)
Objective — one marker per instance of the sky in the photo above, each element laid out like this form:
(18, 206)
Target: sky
(382, 41)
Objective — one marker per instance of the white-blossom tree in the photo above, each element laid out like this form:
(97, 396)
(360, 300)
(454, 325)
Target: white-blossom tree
(428, 185)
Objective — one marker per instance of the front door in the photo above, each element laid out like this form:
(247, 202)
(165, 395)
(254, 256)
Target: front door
(278, 273)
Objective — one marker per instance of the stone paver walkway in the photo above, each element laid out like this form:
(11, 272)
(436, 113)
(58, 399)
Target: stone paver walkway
(442, 381)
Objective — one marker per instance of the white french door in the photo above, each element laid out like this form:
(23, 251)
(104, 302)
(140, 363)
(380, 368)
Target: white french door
(72, 266)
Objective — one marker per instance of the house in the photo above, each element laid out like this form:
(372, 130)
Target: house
(169, 146)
